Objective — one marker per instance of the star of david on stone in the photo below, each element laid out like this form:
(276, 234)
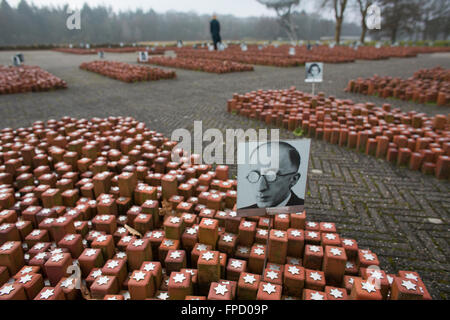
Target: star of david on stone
(96, 273)
(40, 256)
(179, 277)
(188, 216)
(201, 247)
(369, 287)
(221, 289)
(101, 238)
(163, 296)
(269, 288)
(157, 234)
(293, 270)
(149, 267)
(243, 250)
(296, 233)
(138, 243)
(102, 280)
(112, 264)
(47, 294)
(39, 246)
(279, 234)
(191, 231)
(247, 224)
(272, 275)
(56, 251)
(50, 221)
(248, 278)
(207, 256)
(295, 261)
(282, 216)
(411, 276)
(314, 249)
(258, 251)
(233, 214)
(236, 264)
(208, 222)
(175, 254)
(121, 255)
(20, 223)
(316, 296)
(175, 220)
(90, 252)
(262, 232)
(26, 278)
(26, 270)
(227, 238)
(70, 237)
(121, 230)
(57, 257)
(408, 285)
(312, 224)
(313, 234)
(36, 233)
(6, 290)
(168, 243)
(61, 219)
(335, 251)
(138, 276)
(330, 236)
(315, 276)
(376, 274)
(369, 257)
(349, 265)
(5, 226)
(77, 224)
(327, 225)
(347, 242)
(336, 293)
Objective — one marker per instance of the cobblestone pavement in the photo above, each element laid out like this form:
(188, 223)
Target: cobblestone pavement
(385, 208)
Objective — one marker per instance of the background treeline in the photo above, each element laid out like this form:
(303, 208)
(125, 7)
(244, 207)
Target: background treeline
(31, 25)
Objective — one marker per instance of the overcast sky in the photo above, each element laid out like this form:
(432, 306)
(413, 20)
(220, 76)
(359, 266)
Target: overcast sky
(240, 8)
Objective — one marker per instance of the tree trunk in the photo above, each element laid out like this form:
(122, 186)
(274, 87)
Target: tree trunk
(394, 35)
(364, 30)
(337, 37)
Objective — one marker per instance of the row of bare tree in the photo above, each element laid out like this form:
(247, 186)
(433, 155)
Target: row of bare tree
(408, 19)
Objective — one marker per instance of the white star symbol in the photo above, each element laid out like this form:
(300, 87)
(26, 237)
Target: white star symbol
(236, 264)
(330, 236)
(26, 270)
(208, 222)
(175, 254)
(39, 246)
(47, 294)
(40, 256)
(96, 273)
(70, 237)
(191, 231)
(269, 288)
(336, 293)
(312, 224)
(101, 238)
(179, 277)
(279, 234)
(258, 251)
(248, 278)
(390, 279)
(262, 232)
(138, 276)
(232, 214)
(293, 270)
(121, 230)
(187, 216)
(327, 225)
(314, 249)
(295, 261)
(316, 296)
(272, 275)
(296, 233)
(77, 224)
(168, 243)
(175, 220)
(221, 289)
(102, 280)
(227, 238)
(157, 234)
(163, 296)
(138, 243)
(26, 278)
(349, 265)
(56, 251)
(90, 252)
(201, 247)
(312, 234)
(369, 257)
(282, 216)
(315, 276)
(121, 255)
(351, 280)
(6, 290)
(4, 226)
(57, 257)
(348, 242)
(408, 285)
(35, 233)
(247, 224)
(61, 219)
(208, 256)
(112, 264)
(149, 267)
(411, 276)
(335, 251)
(376, 274)
(369, 287)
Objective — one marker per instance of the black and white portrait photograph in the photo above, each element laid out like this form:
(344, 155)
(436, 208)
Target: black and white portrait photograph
(143, 56)
(272, 177)
(314, 72)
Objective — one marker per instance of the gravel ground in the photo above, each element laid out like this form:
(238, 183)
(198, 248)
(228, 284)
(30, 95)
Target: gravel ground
(383, 207)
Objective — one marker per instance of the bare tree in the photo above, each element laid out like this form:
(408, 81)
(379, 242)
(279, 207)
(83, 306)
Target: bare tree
(434, 15)
(284, 10)
(363, 8)
(339, 7)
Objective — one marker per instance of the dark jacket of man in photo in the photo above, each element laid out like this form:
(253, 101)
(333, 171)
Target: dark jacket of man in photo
(215, 31)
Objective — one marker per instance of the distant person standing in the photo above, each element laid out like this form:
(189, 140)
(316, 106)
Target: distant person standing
(215, 31)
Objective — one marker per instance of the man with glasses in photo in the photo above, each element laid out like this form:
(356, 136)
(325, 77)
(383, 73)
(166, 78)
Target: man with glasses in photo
(274, 182)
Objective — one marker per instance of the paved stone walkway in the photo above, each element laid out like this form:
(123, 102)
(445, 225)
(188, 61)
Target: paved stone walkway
(385, 208)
